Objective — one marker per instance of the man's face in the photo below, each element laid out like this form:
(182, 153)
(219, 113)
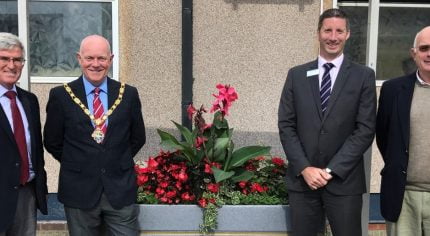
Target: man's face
(95, 60)
(332, 37)
(421, 52)
(10, 66)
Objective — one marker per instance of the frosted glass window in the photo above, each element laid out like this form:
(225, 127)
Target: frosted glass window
(397, 30)
(56, 30)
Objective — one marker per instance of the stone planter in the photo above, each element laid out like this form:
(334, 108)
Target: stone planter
(231, 218)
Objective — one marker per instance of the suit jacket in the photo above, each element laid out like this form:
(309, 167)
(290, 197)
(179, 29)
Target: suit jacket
(10, 161)
(338, 138)
(392, 138)
(89, 169)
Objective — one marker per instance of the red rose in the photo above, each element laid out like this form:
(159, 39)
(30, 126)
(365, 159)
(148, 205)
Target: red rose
(278, 161)
(256, 187)
(242, 184)
(142, 179)
(213, 187)
(183, 177)
(171, 194)
(202, 202)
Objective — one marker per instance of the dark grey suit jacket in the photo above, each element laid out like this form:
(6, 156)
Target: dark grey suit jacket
(89, 169)
(338, 138)
(392, 137)
(10, 160)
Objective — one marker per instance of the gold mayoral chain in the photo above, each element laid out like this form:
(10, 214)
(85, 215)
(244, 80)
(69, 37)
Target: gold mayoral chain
(98, 135)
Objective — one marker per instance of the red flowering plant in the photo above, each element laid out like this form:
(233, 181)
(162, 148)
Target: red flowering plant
(206, 169)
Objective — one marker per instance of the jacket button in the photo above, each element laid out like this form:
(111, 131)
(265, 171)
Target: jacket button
(16, 187)
(406, 151)
(103, 170)
(403, 172)
(17, 164)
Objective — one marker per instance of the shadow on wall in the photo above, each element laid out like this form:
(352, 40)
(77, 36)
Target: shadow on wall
(300, 3)
(240, 139)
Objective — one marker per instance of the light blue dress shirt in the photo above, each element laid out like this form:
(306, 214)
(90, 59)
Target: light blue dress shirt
(89, 88)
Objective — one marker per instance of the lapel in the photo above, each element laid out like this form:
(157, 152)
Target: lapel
(113, 90)
(29, 114)
(315, 87)
(4, 124)
(338, 85)
(78, 89)
(404, 100)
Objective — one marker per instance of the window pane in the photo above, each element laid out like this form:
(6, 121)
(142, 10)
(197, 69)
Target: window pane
(56, 29)
(397, 30)
(355, 48)
(9, 16)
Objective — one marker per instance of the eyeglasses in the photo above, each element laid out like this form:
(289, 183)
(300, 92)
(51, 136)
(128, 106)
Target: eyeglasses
(17, 61)
(423, 48)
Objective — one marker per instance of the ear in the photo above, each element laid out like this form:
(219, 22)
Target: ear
(348, 33)
(413, 53)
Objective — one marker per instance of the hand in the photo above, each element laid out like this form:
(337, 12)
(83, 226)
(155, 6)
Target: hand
(316, 177)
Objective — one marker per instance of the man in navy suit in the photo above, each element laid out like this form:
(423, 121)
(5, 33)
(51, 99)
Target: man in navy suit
(326, 122)
(94, 128)
(402, 136)
(22, 174)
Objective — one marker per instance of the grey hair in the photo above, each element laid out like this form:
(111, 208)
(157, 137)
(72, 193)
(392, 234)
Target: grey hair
(415, 40)
(9, 41)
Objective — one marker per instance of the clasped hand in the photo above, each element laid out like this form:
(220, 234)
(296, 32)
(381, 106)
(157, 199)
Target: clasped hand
(316, 177)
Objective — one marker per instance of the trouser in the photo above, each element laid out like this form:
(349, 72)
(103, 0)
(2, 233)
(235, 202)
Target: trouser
(414, 219)
(24, 223)
(103, 220)
(308, 211)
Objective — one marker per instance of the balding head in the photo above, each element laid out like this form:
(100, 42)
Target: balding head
(94, 39)
(95, 58)
(421, 53)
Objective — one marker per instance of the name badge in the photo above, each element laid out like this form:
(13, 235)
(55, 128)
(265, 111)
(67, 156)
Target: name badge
(310, 73)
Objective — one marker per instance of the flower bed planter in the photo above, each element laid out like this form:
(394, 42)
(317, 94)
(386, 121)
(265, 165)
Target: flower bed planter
(231, 218)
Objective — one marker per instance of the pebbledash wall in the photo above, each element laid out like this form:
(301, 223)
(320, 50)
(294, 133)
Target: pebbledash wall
(249, 44)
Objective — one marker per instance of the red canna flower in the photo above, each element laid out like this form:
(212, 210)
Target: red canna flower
(226, 96)
(191, 110)
(199, 141)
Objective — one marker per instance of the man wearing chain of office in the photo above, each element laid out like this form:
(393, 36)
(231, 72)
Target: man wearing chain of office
(94, 127)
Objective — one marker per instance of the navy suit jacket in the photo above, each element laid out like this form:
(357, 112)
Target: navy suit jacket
(89, 169)
(336, 139)
(392, 138)
(10, 161)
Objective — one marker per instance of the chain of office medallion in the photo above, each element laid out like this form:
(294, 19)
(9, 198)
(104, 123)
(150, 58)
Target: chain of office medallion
(98, 121)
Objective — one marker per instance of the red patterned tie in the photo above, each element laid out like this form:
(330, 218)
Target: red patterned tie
(19, 133)
(98, 110)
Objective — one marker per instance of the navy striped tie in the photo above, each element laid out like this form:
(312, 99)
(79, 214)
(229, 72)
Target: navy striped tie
(325, 86)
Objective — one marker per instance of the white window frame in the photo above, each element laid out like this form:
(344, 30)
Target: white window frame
(373, 23)
(23, 32)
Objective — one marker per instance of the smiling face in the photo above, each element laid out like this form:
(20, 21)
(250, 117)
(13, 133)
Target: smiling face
(421, 53)
(332, 36)
(10, 71)
(95, 59)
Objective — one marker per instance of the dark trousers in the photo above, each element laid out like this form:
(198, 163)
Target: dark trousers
(103, 220)
(308, 211)
(24, 223)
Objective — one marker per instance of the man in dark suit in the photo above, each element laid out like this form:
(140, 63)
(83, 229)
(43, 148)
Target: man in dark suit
(22, 174)
(402, 136)
(326, 122)
(94, 128)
